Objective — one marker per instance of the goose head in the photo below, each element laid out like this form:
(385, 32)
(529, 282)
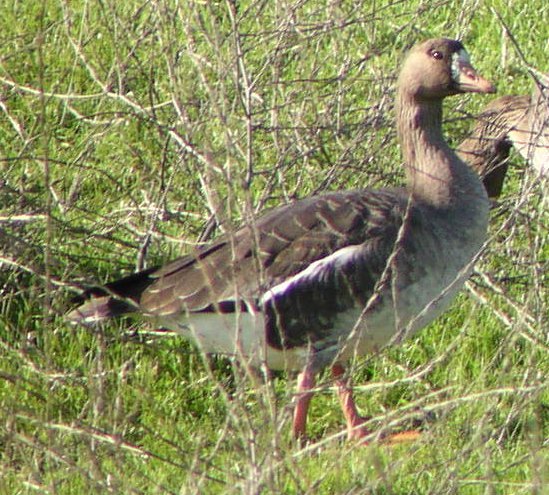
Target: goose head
(438, 68)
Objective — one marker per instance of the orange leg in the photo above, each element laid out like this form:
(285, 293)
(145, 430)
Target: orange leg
(305, 384)
(355, 423)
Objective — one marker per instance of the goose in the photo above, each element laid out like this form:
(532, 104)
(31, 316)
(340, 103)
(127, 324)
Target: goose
(311, 284)
(517, 121)
(531, 135)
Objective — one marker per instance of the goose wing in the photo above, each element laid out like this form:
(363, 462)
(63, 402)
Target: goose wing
(305, 247)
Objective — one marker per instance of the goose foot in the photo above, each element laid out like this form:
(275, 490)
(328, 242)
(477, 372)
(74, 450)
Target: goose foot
(356, 424)
(358, 432)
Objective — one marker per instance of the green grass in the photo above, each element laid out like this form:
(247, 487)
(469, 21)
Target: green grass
(125, 127)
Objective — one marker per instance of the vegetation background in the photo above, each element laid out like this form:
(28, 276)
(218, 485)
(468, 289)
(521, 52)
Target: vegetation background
(132, 130)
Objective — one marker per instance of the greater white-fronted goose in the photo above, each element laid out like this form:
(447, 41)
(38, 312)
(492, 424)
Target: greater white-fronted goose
(531, 136)
(521, 122)
(313, 283)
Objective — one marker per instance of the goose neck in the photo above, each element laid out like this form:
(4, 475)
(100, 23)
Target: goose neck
(434, 172)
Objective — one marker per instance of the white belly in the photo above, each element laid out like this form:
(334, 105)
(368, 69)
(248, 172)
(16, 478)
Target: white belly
(241, 336)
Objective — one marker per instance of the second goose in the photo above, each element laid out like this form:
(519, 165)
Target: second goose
(510, 121)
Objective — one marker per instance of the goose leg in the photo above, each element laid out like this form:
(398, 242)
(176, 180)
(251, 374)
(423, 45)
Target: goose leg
(355, 422)
(305, 384)
(356, 429)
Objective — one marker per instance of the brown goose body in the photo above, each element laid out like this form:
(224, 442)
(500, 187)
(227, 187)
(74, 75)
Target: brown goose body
(518, 121)
(314, 282)
(531, 135)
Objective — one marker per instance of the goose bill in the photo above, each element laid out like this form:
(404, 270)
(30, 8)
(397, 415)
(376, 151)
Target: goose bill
(466, 77)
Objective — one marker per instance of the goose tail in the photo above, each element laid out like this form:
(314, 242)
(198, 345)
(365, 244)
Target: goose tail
(115, 299)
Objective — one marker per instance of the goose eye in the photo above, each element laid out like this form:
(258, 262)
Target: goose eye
(436, 54)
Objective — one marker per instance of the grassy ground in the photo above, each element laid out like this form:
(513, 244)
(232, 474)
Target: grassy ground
(127, 128)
